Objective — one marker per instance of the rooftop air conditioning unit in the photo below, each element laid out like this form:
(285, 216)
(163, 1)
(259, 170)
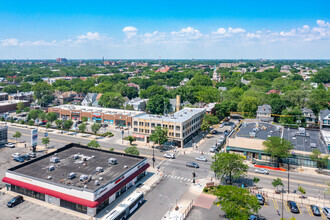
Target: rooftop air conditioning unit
(54, 160)
(76, 156)
(97, 183)
(83, 177)
(113, 161)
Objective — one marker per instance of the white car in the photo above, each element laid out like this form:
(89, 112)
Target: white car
(16, 155)
(326, 212)
(201, 158)
(261, 170)
(10, 145)
(170, 156)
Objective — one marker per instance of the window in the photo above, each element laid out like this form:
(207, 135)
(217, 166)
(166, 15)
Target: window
(177, 134)
(140, 130)
(135, 123)
(147, 131)
(177, 127)
(135, 129)
(152, 125)
(141, 123)
(159, 125)
(147, 124)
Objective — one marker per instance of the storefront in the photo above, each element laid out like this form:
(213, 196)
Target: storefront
(75, 115)
(138, 137)
(109, 122)
(97, 118)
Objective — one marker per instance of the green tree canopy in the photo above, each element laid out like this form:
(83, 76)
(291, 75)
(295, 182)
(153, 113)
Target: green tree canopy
(236, 202)
(111, 100)
(200, 80)
(67, 124)
(51, 117)
(321, 162)
(95, 128)
(45, 141)
(227, 165)
(159, 136)
(158, 105)
(17, 135)
(82, 128)
(277, 182)
(132, 150)
(93, 144)
(277, 147)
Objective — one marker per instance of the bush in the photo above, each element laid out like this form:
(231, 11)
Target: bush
(205, 190)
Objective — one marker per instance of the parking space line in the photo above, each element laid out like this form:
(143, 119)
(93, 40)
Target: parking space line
(322, 215)
(266, 203)
(299, 208)
(286, 207)
(275, 204)
(309, 211)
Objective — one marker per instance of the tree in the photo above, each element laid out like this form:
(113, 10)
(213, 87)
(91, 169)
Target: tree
(256, 180)
(48, 125)
(277, 182)
(42, 92)
(95, 128)
(82, 128)
(200, 80)
(45, 141)
(58, 123)
(321, 162)
(248, 105)
(131, 139)
(157, 104)
(17, 135)
(205, 126)
(84, 119)
(93, 144)
(236, 202)
(301, 190)
(111, 100)
(211, 119)
(20, 106)
(67, 124)
(42, 116)
(277, 148)
(159, 136)
(51, 117)
(130, 92)
(34, 114)
(229, 166)
(132, 150)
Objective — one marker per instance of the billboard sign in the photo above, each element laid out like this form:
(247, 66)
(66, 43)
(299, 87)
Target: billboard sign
(34, 137)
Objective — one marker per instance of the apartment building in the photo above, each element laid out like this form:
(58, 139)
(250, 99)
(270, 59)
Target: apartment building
(182, 126)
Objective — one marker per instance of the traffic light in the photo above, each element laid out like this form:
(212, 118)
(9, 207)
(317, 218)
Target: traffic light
(153, 159)
(194, 174)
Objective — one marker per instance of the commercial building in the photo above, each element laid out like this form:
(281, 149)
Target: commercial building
(248, 140)
(11, 105)
(77, 177)
(3, 136)
(3, 96)
(182, 126)
(96, 114)
(26, 96)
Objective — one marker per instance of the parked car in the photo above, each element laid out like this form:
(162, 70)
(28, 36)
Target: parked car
(214, 131)
(201, 158)
(192, 164)
(10, 145)
(262, 171)
(261, 199)
(315, 210)
(326, 212)
(16, 155)
(212, 149)
(32, 154)
(254, 217)
(15, 201)
(169, 155)
(26, 157)
(19, 159)
(221, 126)
(293, 207)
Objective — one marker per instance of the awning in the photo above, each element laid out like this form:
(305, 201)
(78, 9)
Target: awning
(138, 136)
(74, 199)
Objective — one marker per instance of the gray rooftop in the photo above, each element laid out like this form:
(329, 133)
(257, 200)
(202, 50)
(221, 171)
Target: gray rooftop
(324, 113)
(180, 116)
(259, 130)
(266, 109)
(39, 167)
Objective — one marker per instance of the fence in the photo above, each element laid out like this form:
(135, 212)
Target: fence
(322, 202)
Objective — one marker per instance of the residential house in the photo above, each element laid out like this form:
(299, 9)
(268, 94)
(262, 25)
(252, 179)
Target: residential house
(264, 113)
(91, 99)
(184, 81)
(210, 108)
(163, 69)
(274, 91)
(324, 118)
(26, 96)
(3, 96)
(309, 116)
(137, 103)
(133, 85)
(64, 97)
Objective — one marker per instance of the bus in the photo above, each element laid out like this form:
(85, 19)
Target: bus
(127, 207)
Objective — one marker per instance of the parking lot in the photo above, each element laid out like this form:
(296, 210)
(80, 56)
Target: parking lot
(28, 210)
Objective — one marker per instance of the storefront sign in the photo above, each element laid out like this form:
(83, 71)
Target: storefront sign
(77, 113)
(96, 115)
(120, 179)
(138, 136)
(34, 137)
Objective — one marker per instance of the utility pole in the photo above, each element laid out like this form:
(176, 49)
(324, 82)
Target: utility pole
(282, 202)
(153, 157)
(288, 175)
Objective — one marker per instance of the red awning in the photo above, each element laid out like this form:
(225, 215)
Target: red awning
(74, 199)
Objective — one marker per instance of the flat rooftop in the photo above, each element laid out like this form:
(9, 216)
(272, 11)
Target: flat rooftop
(180, 116)
(308, 142)
(259, 130)
(9, 102)
(99, 110)
(39, 167)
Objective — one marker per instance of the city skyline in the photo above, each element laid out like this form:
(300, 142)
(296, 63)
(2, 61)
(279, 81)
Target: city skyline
(171, 30)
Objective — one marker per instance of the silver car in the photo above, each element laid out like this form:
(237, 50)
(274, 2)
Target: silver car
(169, 155)
(262, 171)
(326, 212)
(201, 158)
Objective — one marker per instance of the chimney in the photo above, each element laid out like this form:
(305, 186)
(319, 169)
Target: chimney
(178, 102)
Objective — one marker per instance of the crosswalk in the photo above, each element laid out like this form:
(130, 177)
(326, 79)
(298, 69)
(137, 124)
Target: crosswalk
(200, 152)
(180, 178)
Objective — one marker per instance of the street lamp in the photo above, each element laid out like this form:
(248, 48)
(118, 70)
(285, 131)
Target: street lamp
(282, 201)
(153, 157)
(169, 204)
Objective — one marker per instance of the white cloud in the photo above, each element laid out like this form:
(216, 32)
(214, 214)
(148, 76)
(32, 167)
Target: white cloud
(253, 35)
(235, 30)
(188, 33)
(130, 31)
(89, 36)
(38, 43)
(221, 31)
(9, 42)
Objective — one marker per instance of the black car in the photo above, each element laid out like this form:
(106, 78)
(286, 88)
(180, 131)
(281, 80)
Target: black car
(293, 207)
(214, 131)
(315, 210)
(26, 157)
(15, 201)
(192, 164)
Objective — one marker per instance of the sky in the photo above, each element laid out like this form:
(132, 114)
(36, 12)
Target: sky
(169, 29)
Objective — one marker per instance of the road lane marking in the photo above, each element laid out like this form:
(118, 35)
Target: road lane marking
(322, 215)
(275, 204)
(286, 206)
(309, 211)
(265, 203)
(299, 208)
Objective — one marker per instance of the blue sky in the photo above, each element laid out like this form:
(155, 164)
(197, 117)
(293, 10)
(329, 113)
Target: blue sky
(167, 29)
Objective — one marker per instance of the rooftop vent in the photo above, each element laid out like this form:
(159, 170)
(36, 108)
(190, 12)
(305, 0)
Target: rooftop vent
(71, 175)
(54, 160)
(51, 168)
(83, 177)
(97, 183)
(113, 161)
(99, 169)
(101, 178)
(125, 166)
(49, 177)
(76, 156)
